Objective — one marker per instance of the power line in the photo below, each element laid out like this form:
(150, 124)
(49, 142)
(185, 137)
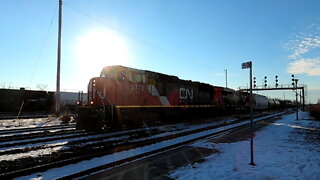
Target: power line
(136, 38)
(43, 46)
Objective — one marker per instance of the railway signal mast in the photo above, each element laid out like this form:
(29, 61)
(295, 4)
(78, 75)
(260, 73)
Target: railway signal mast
(295, 85)
(277, 87)
(57, 108)
(247, 65)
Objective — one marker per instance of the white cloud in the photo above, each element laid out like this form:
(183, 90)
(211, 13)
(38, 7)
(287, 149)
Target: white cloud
(300, 46)
(224, 74)
(303, 45)
(305, 66)
(219, 74)
(313, 89)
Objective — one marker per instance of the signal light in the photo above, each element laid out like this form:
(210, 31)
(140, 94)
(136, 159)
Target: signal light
(293, 80)
(276, 81)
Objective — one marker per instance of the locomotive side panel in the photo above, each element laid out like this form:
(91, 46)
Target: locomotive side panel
(217, 97)
(205, 94)
(188, 93)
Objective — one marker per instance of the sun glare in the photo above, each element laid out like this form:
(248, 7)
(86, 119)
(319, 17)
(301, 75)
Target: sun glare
(100, 48)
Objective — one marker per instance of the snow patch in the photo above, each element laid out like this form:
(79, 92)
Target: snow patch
(276, 155)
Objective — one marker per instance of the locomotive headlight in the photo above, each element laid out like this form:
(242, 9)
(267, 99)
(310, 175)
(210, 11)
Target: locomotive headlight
(91, 102)
(78, 102)
(94, 84)
(94, 80)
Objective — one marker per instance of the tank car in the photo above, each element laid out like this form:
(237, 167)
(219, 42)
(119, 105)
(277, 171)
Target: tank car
(260, 102)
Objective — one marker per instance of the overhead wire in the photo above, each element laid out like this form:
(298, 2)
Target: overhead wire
(134, 37)
(43, 46)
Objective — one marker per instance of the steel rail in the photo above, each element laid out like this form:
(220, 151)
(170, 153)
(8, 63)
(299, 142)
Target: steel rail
(135, 144)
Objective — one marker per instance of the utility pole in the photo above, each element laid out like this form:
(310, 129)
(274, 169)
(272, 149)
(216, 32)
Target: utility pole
(57, 113)
(226, 77)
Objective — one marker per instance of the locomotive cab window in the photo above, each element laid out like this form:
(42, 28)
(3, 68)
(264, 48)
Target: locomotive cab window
(131, 76)
(110, 74)
(103, 75)
(137, 78)
(121, 76)
(144, 78)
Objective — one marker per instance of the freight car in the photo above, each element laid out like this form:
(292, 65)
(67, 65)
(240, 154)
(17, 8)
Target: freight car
(274, 103)
(126, 96)
(260, 102)
(14, 100)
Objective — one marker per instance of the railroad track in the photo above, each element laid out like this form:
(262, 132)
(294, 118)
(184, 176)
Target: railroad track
(32, 129)
(72, 145)
(107, 147)
(6, 115)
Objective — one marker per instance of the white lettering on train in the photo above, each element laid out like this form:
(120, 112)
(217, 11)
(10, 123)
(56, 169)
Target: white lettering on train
(185, 93)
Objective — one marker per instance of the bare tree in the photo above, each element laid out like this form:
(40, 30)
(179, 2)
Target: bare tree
(3, 85)
(42, 87)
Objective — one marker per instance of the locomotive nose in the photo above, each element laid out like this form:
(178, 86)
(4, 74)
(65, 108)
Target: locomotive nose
(92, 91)
(97, 91)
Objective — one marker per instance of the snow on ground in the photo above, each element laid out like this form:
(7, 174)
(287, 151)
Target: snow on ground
(287, 149)
(6, 135)
(35, 153)
(28, 123)
(177, 128)
(84, 165)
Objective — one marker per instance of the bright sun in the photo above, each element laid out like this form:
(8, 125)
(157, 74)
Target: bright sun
(100, 48)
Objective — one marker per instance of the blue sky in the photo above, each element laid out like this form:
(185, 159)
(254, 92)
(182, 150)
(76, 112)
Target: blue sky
(193, 40)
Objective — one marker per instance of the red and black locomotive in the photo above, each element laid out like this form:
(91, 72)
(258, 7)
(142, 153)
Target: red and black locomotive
(126, 96)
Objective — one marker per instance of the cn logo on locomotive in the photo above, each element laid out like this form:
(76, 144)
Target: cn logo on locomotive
(185, 93)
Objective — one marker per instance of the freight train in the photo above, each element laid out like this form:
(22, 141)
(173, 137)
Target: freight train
(26, 101)
(128, 96)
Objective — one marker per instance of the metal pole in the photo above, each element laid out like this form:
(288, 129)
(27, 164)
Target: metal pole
(57, 113)
(303, 100)
(296, 80)
(300, 99)
(245, 66)
(226, 77)
(309, 94)
(251, 111)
